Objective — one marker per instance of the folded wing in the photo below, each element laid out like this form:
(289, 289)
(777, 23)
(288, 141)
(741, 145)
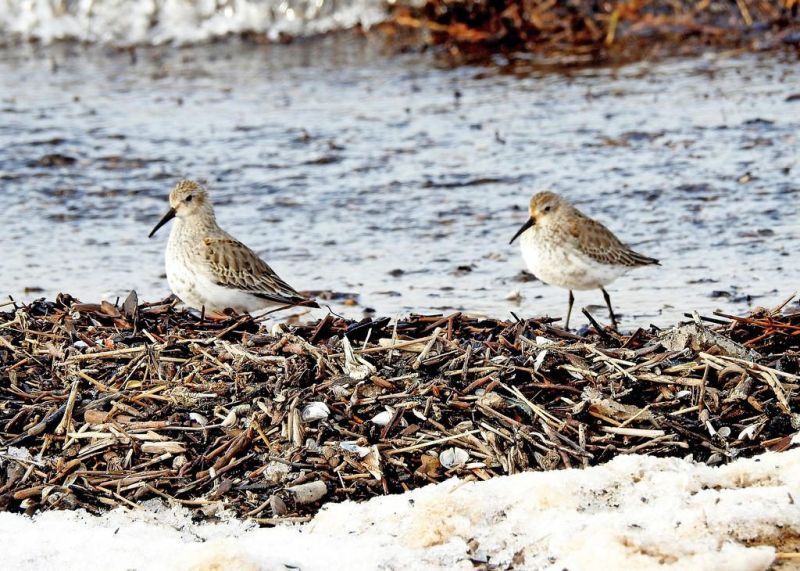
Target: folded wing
(234, 265)
(601, 245)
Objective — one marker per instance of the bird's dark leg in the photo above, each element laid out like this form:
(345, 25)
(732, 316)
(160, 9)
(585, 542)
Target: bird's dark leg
(610, 310)
(569, 308)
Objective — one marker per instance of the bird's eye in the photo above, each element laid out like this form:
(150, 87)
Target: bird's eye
(189, 198)
(547, 208)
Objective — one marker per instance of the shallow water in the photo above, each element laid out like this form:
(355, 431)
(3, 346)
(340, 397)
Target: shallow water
(390, 178)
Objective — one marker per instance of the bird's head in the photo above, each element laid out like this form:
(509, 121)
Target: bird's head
(187, 199)
(542, 211)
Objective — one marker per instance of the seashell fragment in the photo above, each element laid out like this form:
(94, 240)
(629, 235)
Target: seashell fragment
(309, 492)
(315, 411)
(453, 457)
(382, 418)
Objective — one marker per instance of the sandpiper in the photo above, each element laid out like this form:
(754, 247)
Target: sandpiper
(565, 248)
(211, 271)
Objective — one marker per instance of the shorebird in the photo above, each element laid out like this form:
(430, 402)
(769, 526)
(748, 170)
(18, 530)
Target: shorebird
(563, 247)
(211, 271)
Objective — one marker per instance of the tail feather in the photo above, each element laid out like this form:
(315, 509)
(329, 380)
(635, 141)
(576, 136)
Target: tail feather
(628, 257)
(642, 260)
(294, 301)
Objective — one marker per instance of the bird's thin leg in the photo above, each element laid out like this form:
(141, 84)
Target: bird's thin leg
(569, 308)
(202, 314)
(610, 310)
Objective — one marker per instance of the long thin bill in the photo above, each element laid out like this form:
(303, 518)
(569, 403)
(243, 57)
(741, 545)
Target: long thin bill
(524, 227)
(167, 217)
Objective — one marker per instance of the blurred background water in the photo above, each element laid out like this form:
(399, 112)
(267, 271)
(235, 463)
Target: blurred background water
(385, 177)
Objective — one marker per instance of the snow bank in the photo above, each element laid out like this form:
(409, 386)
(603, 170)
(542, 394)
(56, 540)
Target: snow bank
(134, 22)
(635, 512)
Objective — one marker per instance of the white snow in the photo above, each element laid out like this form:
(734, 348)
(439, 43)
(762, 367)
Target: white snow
(134, 22)
(635, 512)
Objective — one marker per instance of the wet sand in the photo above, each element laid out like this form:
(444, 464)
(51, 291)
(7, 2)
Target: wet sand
(396, 180)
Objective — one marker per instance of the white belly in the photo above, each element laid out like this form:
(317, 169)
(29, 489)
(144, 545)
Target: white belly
(565, 267)
(195, 289)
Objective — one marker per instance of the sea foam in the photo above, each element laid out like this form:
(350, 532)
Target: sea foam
(154, 22)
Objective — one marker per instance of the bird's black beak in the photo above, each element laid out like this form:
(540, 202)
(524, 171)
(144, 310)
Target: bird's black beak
(530, 222)
(167, 217)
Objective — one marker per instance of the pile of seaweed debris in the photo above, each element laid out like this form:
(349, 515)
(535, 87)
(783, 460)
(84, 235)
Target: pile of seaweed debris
(104, 405)
(590, 32)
